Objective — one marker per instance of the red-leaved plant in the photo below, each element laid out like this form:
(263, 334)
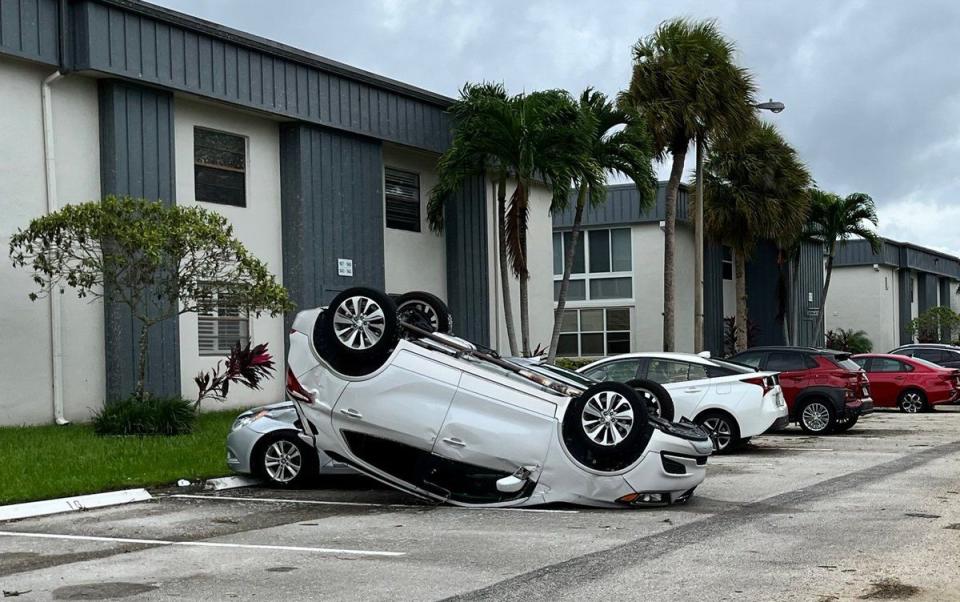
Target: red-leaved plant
(246, 366)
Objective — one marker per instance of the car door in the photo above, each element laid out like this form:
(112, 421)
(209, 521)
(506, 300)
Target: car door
(793, 369)
(886, 376)
(619, 371)
(492, 429)
(674, 375)
(397, 413)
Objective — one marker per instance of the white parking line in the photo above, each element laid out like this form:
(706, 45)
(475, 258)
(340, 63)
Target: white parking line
(823, 449)
(329, 503)
(200, 544)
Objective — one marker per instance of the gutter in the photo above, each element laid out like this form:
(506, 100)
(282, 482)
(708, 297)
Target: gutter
(50, 177)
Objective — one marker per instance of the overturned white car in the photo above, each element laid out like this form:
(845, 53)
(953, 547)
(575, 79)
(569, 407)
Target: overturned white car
(441, 418)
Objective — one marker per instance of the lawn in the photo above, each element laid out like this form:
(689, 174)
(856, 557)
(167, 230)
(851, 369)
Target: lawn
(41, 462)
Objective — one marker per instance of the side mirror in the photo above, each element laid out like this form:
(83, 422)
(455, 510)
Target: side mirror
(510, 484)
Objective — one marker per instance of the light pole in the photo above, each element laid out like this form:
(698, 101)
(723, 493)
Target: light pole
(772, 106)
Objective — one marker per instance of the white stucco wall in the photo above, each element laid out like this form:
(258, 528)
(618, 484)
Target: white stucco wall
(862, 298)
(684, 289)
(257, 226)
(647, 241)
(25, 355)
(414, 261)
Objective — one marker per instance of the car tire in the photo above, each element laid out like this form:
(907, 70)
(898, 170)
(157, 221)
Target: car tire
(846, 424)
(817, 417)
(723, 430)
(425, 310)
(912, 401)
(659, 402)
(357, 348)
(606, 428)
(282, 460)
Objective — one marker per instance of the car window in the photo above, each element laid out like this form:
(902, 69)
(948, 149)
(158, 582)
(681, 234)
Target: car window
(861, 361)
(667, 371)
(931, 355)
(885, 364)
(786, 361)
(749, 358)
(697, 372)
(619, 371)
(928, 364)
(951, 356)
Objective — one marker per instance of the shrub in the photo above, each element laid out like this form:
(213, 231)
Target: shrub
(851, 341)
(150, 416)
(246, 366)
(935, 323)
(573, 363)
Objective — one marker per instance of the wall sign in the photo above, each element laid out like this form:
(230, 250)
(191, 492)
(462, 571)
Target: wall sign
(344, 267)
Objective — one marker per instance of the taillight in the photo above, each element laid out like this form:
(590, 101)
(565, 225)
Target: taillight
(295, 390)
(767, 383)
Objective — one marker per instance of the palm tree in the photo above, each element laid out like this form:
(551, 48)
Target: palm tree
(835, 219)
(618, 143)
(755, 189)
(686, 85)
(525, 139)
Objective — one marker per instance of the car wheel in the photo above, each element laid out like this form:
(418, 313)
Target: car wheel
(425, 310)
(723, 430)
(817, 417)
(659, 402)
(283, 460)
(846, 424)
(356, 333)
(606, 427)
(911, 401)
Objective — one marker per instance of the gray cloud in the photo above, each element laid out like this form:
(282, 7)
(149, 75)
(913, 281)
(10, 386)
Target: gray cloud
(872, 101)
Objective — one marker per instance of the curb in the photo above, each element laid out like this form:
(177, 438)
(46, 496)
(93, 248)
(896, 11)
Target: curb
(72, 504)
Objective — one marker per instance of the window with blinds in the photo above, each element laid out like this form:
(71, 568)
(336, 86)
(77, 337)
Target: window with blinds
(402, 192)
(219, 167)
(221, 324)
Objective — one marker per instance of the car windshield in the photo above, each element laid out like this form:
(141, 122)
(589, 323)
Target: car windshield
(844, 361)
(926, 363)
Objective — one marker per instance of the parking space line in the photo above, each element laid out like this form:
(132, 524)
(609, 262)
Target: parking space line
(823, 449)
(201, 544)
(274, 500)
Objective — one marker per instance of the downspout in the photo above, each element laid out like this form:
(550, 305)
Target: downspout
(50, 176)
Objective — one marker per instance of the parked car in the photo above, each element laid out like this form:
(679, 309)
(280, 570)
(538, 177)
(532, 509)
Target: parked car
(441, 418)
(947, 356)
(732, 402)
(909, 383)
(266, 442)
(826, 391)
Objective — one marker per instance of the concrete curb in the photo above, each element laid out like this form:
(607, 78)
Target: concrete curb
(72, 504)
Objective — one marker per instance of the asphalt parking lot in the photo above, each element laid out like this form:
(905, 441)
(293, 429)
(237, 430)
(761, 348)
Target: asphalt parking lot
(872, 514)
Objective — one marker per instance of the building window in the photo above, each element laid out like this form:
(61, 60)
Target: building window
(221, 324)
(402, 192)
(727, 263)
(219, 167)
(602, 265)
(594, 332)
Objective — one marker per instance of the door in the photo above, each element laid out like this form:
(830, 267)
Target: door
(887, 377)
(793, 369)
(685, 382)
(401, 409)
(490, 432)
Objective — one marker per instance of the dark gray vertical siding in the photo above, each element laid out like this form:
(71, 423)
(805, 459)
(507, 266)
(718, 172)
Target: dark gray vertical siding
(762, 295)
(713, 298)
(136, 159)
(622, 206)
(905, 282)
(926, 291)
(946, 291)
(468, 287)
(122, 41)
(807, 294)
(331, 195)
(28, 29)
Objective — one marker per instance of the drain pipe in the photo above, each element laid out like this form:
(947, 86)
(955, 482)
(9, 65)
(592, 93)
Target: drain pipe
(50, 175)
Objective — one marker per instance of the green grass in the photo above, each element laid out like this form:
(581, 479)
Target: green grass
(42, 462)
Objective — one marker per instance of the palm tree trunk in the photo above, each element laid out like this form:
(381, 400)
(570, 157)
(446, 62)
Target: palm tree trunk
(740, 263)
(669, 239)
(524, 292)
(823, 300)
(567, 270)
(504, 266)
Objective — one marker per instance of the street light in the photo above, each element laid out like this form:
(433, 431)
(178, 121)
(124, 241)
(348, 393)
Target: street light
(771, 105)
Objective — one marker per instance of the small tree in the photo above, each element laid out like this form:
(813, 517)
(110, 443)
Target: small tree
(849, 340)
(934, 325)
(158, 260)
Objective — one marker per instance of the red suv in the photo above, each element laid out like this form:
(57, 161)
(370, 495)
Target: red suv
(825, 390)
(909, 383)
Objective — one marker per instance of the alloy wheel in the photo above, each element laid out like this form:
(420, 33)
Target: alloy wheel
(652, 401)
(911, 402)
(359, 322)
(607, 418)
(282, 461)
(418, 311)
(720, 432)
(815, 416)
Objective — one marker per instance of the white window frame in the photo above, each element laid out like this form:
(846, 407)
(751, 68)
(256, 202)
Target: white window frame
(213, 318)
(605, 332)
(587, 275)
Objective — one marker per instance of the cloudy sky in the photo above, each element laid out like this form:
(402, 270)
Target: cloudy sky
(871, 87)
